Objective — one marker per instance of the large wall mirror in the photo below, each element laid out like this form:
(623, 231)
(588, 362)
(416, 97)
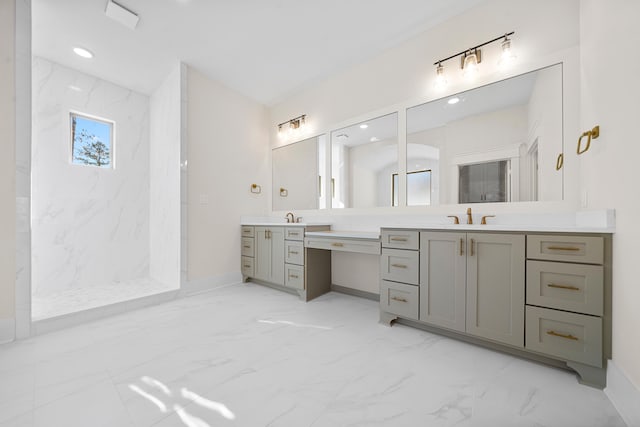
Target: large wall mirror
(298, 170)
(364, 162)
(495, 143)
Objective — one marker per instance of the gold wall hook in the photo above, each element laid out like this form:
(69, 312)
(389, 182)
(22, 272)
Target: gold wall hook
(560, 161)
(590, 134)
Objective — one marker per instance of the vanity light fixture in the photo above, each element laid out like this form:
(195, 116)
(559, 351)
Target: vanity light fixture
(294, 124)
(470, 58)
(507, 57)
(82, 52)
(441, 79)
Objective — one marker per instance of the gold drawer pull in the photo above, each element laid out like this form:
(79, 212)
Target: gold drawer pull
(563, 248)
(292, 233)
(569, 337)
(569, 287)
(399, 299)
(247, 247)
(293, 252)
(246, 231)
(247, 266)
(336, 244)
(295, 276)
(398, 265)
(461, 246)
(399, 239)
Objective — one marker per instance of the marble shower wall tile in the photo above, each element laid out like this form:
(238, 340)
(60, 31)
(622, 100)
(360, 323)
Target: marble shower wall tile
(166, 136)
(89, 225)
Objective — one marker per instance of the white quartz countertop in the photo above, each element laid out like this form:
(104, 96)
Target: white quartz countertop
(510, 227)
(343, 234)
(284, 224)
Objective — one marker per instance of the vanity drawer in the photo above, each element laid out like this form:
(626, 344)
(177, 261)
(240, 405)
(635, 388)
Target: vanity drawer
(247, 246)
(572, 287)
(361, 246)
(247, 231)
(400, 299)
(294, 276)
(294, 233)
(399, 266)
(293, 252)
(400, 239)
(246, 266)
(588, 250)
(570, 336)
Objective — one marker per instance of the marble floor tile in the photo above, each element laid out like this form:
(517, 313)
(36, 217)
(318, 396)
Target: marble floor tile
(47, 305)
(247, 355)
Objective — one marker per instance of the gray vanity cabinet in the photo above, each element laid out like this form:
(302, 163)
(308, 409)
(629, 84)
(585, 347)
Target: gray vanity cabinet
(269, 254)
(474, 283)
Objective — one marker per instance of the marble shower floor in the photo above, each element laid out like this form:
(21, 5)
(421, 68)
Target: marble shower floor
(247, 355)
(79, 299)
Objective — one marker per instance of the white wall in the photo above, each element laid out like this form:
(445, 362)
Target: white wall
(164, 174)
(7, 170)
(610, 91)
(228, 150)
(90, 225)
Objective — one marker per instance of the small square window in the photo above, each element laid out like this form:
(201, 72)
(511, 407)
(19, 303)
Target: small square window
(91, 141)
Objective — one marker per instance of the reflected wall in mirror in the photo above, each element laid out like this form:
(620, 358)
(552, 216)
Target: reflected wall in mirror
(364, 159)
(495, 143)
(296, 178)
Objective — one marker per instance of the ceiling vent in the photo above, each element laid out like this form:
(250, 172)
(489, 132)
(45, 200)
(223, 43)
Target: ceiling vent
(121, 14)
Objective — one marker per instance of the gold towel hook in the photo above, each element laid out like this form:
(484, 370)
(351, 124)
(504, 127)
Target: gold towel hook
(590, 134)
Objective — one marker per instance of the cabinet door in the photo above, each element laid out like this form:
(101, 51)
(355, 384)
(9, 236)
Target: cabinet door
(443, 279)
(495, 287)
(262, 263)
(269, 260)
(276, 239)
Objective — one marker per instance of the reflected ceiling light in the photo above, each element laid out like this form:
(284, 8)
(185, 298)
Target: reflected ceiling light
(453, 100)
(374, 139)
(82, 52)
(470, 58)
(364, 126)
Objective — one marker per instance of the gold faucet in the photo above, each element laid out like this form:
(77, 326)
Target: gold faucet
(290, 219)
(469, 217)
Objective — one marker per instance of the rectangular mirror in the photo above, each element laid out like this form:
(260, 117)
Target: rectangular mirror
(495, 143)
(297, 173)
(364, 160)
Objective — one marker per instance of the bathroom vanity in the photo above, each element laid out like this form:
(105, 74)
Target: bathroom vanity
(534, 293)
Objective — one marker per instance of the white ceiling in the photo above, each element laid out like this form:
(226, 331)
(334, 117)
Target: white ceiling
(265, 49)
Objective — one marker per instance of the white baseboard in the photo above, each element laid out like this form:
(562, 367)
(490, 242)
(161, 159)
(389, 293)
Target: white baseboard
(7, 330)
(208, 283)
(623, 394)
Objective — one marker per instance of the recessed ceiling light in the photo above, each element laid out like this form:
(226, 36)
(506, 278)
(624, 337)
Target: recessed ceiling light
(364, 126)
(83, 52)
(454, 100)
(374, 139)
(75, 88)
